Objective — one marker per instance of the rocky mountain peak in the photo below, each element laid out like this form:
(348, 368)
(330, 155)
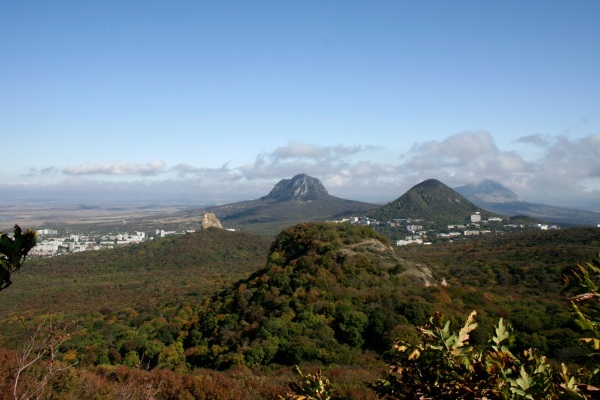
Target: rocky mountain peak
(300, 188)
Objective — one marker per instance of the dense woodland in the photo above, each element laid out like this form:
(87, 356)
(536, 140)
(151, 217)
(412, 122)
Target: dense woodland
(234, 310)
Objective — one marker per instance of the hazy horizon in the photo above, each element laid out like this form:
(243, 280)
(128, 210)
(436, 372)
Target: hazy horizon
(148, 197)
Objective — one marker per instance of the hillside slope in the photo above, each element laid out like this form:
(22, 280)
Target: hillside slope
(164, 270)
(319, 298)
(430, 201)
(328, 293)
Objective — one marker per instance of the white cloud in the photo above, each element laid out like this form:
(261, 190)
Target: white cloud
(463, 158)
(346, 171)
(301, 150)
(152, 167)
(567, 172)
(568, 168)
(298, 157)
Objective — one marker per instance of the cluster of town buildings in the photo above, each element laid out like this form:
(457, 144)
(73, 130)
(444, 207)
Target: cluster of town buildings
(51, 243)
(416, 234)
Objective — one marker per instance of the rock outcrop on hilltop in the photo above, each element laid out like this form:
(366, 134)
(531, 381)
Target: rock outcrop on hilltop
(210, 220)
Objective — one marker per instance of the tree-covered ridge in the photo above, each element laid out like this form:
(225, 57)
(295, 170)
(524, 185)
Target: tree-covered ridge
(331, 294)
(326, 293)
(517, 277)
(110, 291)
(531, 260)
(319, 298)
(444, 365)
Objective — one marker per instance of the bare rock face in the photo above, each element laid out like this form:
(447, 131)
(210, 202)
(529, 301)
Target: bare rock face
(300, 188)
(210, 220)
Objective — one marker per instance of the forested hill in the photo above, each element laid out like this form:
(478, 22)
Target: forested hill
(174, 268)
(320, 298)
(430, 200)
(330, 292)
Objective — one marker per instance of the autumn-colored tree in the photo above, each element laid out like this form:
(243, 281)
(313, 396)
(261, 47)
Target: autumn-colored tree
(584, 280)
(308, 387)
(39, 361)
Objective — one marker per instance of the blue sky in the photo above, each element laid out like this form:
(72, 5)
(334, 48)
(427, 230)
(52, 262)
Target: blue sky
(217, 101)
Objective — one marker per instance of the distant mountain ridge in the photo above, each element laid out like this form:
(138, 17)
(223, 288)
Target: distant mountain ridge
(430, 200)
(305, 199)
(291, 201)
(495, 197)
(488, 191)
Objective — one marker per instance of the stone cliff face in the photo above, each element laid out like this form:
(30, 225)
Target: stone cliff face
(300, 188)
(210, 220)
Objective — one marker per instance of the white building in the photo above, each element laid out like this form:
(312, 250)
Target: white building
(47, 232)
(409, 241)
(45, 248)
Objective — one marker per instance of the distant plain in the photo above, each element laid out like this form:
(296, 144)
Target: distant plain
(53, 213)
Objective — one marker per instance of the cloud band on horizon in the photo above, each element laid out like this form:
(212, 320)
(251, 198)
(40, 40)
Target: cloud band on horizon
(567, 169)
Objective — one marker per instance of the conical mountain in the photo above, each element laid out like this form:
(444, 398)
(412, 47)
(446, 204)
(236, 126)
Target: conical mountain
(291, 201)
(430, 200)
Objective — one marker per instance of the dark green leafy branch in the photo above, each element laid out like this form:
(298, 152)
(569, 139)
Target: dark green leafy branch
(13, 252)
